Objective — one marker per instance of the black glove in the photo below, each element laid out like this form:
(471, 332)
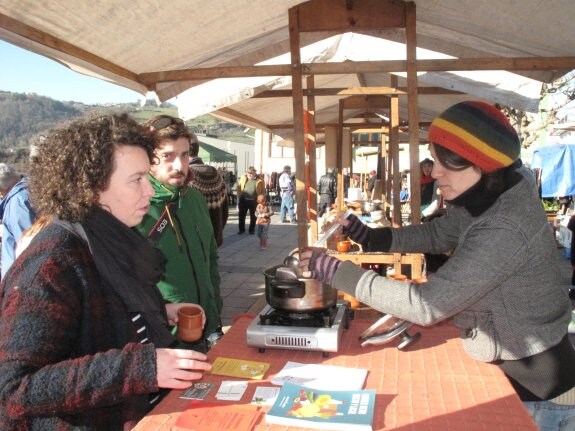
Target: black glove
(357, 231)
(323, 267)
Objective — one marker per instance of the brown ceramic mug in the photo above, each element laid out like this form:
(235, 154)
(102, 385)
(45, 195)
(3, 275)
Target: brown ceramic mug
(343, 246)
(190, 324)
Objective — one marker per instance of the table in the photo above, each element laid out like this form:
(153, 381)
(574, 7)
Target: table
(434, 386)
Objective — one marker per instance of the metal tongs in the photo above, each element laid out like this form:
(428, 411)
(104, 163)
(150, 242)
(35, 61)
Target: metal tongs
(292, 262)
(332, 229)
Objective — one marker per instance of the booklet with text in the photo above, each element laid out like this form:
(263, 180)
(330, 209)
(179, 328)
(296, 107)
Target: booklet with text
(299, 406)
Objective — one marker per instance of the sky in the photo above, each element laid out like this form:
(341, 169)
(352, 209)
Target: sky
(23, 71)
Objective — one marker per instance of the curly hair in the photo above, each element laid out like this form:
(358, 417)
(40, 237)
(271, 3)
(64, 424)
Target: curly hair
(73, 164)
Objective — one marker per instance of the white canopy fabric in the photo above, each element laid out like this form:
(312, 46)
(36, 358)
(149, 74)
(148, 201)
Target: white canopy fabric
(233, 99)
(121, 42)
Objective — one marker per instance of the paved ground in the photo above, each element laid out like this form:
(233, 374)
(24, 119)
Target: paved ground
(242, 264)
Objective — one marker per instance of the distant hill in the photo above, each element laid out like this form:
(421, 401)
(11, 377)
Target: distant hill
(24, 116)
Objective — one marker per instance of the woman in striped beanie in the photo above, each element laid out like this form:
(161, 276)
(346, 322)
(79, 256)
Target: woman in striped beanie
(501, 285)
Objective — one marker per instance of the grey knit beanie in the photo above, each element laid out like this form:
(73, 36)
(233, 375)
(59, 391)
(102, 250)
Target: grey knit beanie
(8, 176)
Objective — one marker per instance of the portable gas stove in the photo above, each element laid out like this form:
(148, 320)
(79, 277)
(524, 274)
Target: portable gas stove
(279, 329)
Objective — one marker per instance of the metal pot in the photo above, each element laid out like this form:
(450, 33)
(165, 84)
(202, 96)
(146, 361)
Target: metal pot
(369, 206)
(299, 295)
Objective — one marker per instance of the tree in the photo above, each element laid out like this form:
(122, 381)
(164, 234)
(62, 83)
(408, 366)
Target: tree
(532, 126)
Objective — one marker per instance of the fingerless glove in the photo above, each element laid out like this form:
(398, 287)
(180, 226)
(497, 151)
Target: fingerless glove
(323, 267)
(357, 231)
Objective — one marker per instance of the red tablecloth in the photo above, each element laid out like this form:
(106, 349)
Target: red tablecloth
(433, 386)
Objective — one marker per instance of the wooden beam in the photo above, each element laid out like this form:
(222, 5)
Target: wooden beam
(245, 120)
(206, 73)
(364, 91)
(64, 47)
(365, 102)
(347, 15)
(321, 126)
(348, 67)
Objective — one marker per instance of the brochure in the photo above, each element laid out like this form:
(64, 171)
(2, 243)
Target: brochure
(239, 368)
(332, 377)
(299, 406)
(210, 416)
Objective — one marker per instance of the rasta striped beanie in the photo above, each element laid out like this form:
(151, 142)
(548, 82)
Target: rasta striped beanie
(478, 132)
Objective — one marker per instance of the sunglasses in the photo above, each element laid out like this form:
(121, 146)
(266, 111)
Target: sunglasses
(163, 122)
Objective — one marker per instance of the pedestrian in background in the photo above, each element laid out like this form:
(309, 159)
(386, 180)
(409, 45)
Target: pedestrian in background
(287, 188)
(16, 212)
(209, 182)
(263, 213)
(249, 188)
(327, 191)
(428, 191)
(178, 223)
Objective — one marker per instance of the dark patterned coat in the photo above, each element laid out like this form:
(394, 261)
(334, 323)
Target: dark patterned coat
(69, 354)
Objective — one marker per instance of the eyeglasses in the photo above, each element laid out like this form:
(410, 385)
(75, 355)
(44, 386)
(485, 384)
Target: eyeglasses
(163, 122)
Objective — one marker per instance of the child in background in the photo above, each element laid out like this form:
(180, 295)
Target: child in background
(263, 215)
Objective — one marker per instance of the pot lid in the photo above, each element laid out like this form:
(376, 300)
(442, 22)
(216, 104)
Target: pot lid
(384, 325)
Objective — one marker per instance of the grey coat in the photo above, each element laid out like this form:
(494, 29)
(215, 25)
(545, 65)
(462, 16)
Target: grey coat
(501, 286)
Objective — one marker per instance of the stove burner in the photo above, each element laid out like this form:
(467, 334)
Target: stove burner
(281, 329)
(314, 319)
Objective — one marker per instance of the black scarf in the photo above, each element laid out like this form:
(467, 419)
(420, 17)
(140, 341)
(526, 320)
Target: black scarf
(132, 267)
(479, 197)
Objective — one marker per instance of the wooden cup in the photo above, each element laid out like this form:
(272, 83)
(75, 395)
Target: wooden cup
(190, 324)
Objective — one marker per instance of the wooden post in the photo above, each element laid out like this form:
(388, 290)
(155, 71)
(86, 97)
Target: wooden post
(413, 109)
(299, 145)
(339, 160)
(394, 150)
(311, 160)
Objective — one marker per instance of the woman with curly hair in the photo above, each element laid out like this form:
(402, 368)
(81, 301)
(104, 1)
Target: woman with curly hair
(85, 341)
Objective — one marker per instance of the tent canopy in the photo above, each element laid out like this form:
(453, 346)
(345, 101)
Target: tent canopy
(243, 100)
(211, 154)
(557, 169)
(150, 46)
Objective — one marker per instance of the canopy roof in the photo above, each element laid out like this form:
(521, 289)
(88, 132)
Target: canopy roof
(211, 154)
(136, 45)
(152, 46)
(257, 102)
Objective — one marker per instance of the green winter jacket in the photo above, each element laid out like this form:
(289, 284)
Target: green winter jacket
(186, 238)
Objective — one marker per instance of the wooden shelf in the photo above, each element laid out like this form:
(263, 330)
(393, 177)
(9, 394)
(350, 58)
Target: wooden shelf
(415, 260)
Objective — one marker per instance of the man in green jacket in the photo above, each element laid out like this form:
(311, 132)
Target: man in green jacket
(178, 223)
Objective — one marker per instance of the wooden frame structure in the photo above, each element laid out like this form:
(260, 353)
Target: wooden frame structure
(343, 16)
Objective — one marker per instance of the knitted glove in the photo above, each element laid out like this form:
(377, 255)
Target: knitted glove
(357, 230)
(323, 267)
